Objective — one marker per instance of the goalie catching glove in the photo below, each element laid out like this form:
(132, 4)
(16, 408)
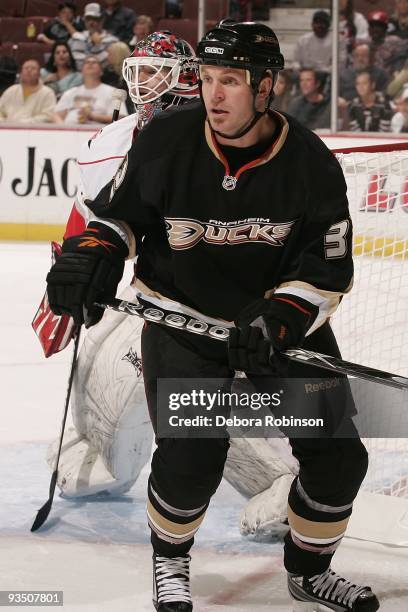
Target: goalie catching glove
(88, 270)
(266, 327)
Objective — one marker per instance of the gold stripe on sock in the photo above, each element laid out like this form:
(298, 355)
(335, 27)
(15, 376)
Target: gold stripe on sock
(171, 527)
(315, 529)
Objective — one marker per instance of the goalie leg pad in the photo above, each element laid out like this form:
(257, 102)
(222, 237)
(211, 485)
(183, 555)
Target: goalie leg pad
(109, 409)
(81, 471)
(267, 512)
(254, 464)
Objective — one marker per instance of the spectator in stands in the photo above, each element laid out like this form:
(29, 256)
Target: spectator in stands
(8, 72)
(91, 102)
(311, 108)
(142, 27)
(352, 25)
(173, 8)
(370, 111)
(119, 20)
(260, 10)
(399, 21)
(94, 40)
(29, 101)
(282, 91)
(112, 73)
(60, 72)
(387, 52)
(361, 61)
(314, 49)
(240, 10)
(63, 26)
(399, 122)
(398, 83)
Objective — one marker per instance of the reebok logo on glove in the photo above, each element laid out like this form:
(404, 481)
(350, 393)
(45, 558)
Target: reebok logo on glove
(95, 242)
(87, 271)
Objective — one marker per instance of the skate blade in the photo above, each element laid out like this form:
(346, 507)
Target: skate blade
(305, 606)
(310, 606)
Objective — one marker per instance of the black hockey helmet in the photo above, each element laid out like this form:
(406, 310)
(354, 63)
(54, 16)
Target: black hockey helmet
(247, 45)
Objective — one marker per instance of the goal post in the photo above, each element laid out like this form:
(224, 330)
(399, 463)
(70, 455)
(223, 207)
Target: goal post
(371, 324)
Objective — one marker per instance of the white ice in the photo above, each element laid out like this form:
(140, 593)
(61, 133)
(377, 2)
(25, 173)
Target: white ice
(97, 551)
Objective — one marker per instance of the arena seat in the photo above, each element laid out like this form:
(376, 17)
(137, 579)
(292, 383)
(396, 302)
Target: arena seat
(184, 28)
(11, 8)
(156, 9)
(21, 29)
(41, 7)
(214, 9)
(26, 51)
(8, 48)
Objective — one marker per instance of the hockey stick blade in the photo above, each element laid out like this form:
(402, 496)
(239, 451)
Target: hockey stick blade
(177, 320)
(44, 511)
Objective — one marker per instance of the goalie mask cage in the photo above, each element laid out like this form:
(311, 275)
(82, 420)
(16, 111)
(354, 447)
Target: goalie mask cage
(371, 324)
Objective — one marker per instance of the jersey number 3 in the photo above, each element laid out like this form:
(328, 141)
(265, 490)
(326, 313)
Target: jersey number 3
(335, 240)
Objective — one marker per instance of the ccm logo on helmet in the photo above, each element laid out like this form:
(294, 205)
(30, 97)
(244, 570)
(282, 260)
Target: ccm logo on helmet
(217, 50)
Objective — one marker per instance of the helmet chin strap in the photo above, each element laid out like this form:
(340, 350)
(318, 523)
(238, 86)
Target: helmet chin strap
(243, 130)
(257, 115)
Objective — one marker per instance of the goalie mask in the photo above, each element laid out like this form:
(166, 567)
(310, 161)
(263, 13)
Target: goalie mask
(162, 71)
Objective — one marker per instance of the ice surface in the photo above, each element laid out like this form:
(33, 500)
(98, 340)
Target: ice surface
(97, 551)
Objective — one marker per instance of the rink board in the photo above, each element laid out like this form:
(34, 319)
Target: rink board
(39, 177)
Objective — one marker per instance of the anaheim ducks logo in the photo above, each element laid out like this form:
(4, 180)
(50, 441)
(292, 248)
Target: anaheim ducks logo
(186, 233)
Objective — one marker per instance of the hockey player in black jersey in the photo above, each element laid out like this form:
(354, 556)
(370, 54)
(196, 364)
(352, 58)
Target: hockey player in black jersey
(241, 214)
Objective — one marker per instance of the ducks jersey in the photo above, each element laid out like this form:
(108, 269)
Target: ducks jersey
(216, 240)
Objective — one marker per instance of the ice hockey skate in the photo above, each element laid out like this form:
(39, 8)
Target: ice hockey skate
(171, 584)
(329, 591)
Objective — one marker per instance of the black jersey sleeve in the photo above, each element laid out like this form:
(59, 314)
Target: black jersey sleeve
(319, 265)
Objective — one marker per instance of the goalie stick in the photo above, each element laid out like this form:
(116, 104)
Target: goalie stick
(177, 320)
(44, 511)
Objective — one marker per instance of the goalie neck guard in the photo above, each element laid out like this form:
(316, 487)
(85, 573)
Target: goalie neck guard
(162, 71)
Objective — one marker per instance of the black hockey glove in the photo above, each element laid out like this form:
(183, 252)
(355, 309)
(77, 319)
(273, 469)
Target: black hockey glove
(89, 269)
(266, 327)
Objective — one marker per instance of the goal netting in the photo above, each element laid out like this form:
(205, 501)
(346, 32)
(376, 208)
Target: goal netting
(372, 322)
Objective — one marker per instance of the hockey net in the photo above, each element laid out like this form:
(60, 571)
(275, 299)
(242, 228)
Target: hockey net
(372, 322)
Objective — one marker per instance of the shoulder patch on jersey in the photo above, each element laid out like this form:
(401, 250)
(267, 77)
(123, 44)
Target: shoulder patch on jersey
(119, 176)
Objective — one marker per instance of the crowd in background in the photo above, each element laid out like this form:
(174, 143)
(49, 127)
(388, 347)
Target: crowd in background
(85, 55)
(373, 72)
(84, 65)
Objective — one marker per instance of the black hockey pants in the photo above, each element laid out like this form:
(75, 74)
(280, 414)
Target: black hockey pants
(186, 471)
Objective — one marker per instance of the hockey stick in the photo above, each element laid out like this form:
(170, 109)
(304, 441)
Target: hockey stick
(119, 96)
(177, 320)
(44, 511)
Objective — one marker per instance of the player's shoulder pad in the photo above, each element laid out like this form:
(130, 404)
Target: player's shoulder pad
(313, 152)
(175, 128)
(112, 140)
(306, 141)
(315, 164)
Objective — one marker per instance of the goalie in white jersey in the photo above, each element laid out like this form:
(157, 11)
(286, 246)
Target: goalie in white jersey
(113, 435)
